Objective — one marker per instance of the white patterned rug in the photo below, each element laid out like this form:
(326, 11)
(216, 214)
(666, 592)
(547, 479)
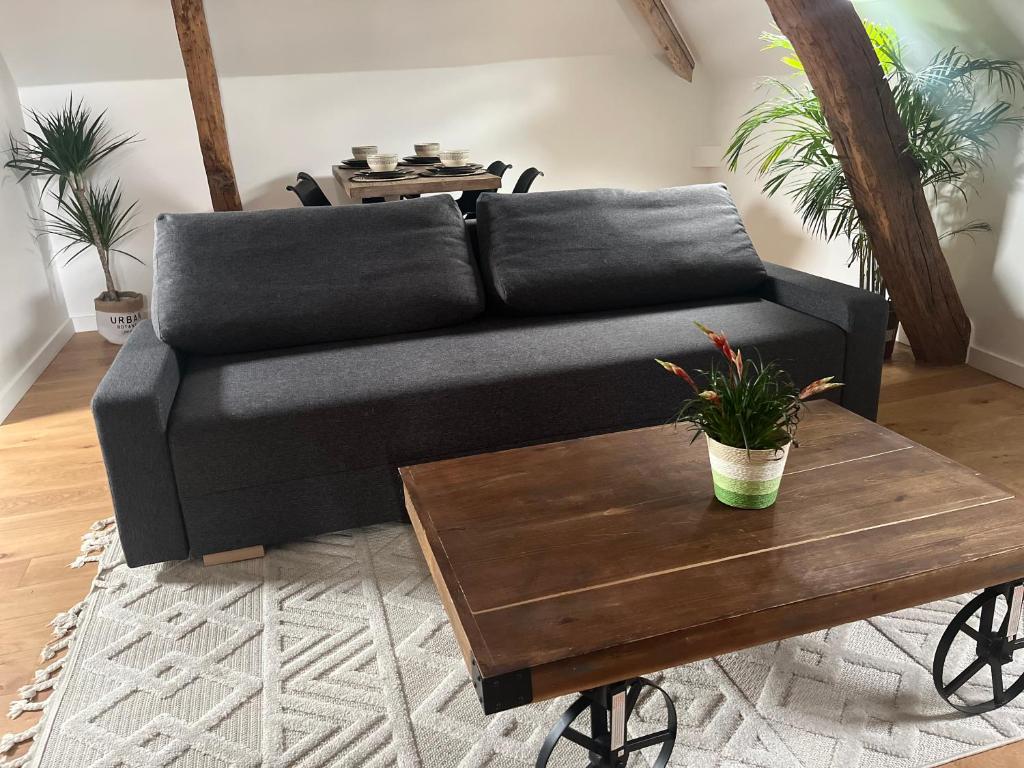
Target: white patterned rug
(336, 652)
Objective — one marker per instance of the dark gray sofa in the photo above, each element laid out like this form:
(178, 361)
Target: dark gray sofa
(296, 358)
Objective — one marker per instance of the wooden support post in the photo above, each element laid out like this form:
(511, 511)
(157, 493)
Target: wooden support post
(204, 88)
(666, 32)
(841, 64)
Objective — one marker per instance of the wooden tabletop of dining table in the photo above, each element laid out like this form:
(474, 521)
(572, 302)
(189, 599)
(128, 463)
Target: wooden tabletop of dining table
(418, 185)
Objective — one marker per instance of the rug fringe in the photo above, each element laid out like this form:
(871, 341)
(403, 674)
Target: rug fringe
(11, 740)
(43, 681)
(94, 542)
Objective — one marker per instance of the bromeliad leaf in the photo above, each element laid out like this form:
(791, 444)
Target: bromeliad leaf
(746, 403)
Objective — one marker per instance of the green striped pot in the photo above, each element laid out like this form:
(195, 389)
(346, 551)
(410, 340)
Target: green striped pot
(746, 479)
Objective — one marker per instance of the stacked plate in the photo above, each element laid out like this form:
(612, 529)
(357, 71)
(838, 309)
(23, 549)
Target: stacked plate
(420, 160)
(454, 170)
(353, 163)
(383, 175)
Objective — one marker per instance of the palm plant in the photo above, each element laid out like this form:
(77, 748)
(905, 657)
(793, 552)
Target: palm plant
(952, 108)
(63, 147)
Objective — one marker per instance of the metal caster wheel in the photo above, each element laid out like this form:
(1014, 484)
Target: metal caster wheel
(987, 629)
(608, 744)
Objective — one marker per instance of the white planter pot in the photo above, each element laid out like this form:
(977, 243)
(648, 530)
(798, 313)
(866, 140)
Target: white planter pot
(115, 320)
(746, 479)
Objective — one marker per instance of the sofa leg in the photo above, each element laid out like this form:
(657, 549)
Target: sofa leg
(233, 555)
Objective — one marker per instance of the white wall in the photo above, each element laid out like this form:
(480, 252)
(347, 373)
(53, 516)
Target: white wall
(33, 320)
(589, 121)
(989, 268)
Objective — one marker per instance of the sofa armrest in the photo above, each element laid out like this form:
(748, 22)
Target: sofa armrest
(131, 408)
(860, 314)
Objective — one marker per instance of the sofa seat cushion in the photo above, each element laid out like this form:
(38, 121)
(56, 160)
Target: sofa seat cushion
(244, 281)
(599, 249)
(246, 421)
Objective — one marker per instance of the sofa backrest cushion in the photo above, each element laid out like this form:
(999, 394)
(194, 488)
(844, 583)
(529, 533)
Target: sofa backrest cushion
(248, 281)
(595, 249)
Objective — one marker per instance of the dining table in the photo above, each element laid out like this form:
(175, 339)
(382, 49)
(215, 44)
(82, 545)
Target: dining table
(417, 185)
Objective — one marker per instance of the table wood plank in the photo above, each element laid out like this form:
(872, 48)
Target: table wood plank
(420, 185)
(638, 464)
(560, 625)
(593, 560)
(621, 662)
(690, 528)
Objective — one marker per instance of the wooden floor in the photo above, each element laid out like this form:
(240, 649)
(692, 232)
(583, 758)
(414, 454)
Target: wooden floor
(52, 485)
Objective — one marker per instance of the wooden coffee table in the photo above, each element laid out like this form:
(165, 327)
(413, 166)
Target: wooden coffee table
(585, 564)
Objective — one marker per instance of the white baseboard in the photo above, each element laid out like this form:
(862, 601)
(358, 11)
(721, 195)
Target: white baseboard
(26, 377)
(997, 365)
(84, 322)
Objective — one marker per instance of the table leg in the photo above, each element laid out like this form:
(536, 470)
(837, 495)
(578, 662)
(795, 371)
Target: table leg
(990, 626)
(609, 745)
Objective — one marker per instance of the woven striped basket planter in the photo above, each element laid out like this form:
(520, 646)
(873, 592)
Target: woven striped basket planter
(746, 479)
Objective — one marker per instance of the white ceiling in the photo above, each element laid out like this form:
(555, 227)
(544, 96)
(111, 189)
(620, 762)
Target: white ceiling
(135, 39)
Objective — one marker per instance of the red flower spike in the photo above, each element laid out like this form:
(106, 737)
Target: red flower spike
(677, 371)
(719, 340)
(817, 387)
(738, 360)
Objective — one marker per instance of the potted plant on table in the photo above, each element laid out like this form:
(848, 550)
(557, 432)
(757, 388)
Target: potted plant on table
(951, 108)
(748, 414)
(63, 147)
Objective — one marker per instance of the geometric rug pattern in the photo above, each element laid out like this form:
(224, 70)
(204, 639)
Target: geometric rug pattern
(335, 651)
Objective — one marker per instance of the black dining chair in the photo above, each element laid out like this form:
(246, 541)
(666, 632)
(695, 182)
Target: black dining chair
(467, 200)
(307, 190)
(526, 180)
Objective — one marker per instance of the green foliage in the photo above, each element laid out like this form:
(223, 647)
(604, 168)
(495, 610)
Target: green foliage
(752, 405)
(101, 222)
(63, 146)
(758, 409)
(952, 109)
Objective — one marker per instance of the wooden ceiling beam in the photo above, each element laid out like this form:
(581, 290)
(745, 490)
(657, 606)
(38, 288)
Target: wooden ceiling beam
(204, 88)
(667, 33)
(885, 183)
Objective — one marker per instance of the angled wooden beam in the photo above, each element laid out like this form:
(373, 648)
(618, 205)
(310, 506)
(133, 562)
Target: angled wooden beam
(885, 183)
(666, 32)
(204, 88)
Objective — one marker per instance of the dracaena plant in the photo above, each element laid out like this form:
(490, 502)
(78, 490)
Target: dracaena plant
(61, 148)
(953, 109)
(746, 403)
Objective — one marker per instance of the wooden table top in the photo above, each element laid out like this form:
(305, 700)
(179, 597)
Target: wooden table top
(570, 565)
(420, 185)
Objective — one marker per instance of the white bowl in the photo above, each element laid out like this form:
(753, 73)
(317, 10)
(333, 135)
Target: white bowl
(453, 158)
(362, 152)
(427, 149)
(382, 162)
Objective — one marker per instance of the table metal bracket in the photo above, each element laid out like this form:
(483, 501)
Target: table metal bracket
(501, 692)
